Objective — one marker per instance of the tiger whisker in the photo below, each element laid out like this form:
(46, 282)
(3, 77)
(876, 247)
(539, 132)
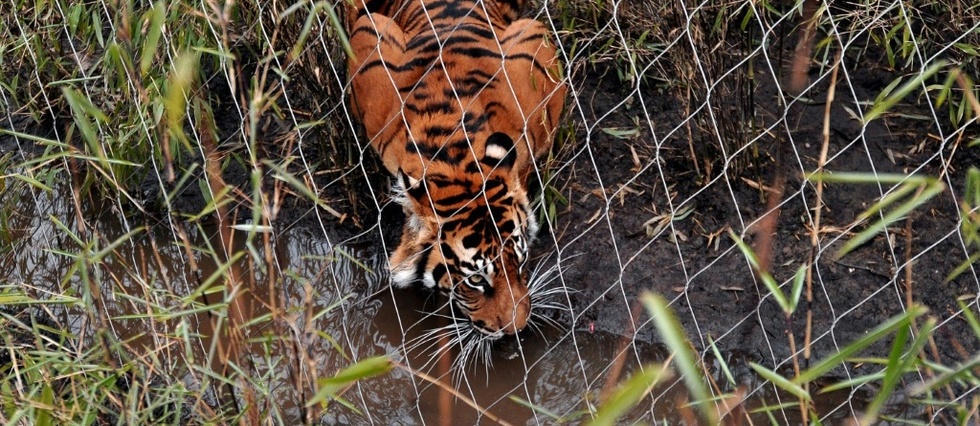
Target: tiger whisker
(430, 338)
(552, 306)
(470, 345)
(457, 340)
(543, 320)
(536, 328)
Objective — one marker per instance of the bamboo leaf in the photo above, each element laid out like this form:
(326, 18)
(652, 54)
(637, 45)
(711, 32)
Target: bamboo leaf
(781, 382)
(899, 362)
(824, 366)
(882, 106)
(156, 15)
(684, 358)
(363, 369)
(628, 394)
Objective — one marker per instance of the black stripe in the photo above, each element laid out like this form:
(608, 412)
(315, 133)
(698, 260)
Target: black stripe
(475, 52)
(534, 36)
(421, 265)
(481, 33)
(474, 123)
(437, 130)
(366, 29)
(453, 200)
(388, 65)
(439, 272)
(524, 56)
(422, 40)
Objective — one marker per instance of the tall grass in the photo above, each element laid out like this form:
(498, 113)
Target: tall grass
(128, 110)
(136, 108)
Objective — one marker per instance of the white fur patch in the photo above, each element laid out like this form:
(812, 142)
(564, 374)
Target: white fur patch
(532, 224)
(496, 152)
(428, 281)
(402, 278)
(414, 222)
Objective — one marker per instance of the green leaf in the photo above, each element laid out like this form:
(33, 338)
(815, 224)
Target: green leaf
(970, 318)
(886, 201)
(852, 383)
(156, 16)
(621, 133)
(684, 358)
(179, 87)
(931, 186)
(899, 362)
(628, 394)
(798, 280)
(363, 369)
(721, 361)
(891, 98)
(766, 278)
(540, 410)
(963, 371)
(824, 366)
(780, 381)
(899, 212)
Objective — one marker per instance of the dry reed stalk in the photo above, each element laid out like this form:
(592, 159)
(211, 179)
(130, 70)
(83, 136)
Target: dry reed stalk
(483, 411)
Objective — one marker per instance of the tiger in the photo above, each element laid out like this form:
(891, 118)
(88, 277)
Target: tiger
(458, 98)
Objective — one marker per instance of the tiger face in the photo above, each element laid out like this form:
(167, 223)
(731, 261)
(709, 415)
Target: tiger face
(468, 238)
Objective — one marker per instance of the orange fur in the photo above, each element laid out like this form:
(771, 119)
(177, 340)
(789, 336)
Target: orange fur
(457, 97)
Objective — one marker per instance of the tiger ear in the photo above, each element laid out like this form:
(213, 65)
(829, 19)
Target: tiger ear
(499, 152)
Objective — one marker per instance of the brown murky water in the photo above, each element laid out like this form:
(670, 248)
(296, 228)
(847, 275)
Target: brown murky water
(560, 371)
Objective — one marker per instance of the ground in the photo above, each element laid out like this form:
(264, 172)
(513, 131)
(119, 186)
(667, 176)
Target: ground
(624, 164)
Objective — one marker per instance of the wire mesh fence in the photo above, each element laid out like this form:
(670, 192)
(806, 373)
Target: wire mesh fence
(196, 228)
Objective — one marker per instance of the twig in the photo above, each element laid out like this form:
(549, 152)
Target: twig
(804, 49)
(464, 398)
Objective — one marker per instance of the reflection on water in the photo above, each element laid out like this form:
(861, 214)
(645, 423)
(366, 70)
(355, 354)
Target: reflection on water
(339, 287)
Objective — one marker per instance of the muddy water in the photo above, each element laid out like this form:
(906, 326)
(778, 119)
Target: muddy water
(559, 370)
(354, 315)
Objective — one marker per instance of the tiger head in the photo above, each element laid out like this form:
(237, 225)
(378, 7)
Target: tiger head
(468, 236)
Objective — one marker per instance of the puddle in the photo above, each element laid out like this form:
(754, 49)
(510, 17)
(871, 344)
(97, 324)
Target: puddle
(560, 371)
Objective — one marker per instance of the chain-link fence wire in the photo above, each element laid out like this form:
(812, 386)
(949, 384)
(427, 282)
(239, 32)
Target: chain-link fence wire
(163, 159)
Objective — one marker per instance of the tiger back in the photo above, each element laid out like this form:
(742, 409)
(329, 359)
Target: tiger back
(459, 98)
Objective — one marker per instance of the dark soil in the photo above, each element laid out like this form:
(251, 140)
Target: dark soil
(616, 185)
(712, 286)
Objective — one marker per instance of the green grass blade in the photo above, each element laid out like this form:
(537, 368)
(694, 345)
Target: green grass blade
(721, 361)
(971, 318)
(363, 369)
(628, 394)
(960, 372)
(824, 366)
(537, 408)
(861, 177)
(798, 280)
(889, 101)
(156, 15)
(935, 187)
(852, 383)
(684, 358)
(898, 365)
(886, 201)
(766, 278)
(781, 382)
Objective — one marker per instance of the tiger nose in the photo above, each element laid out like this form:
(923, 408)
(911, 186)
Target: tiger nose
(517, 320)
